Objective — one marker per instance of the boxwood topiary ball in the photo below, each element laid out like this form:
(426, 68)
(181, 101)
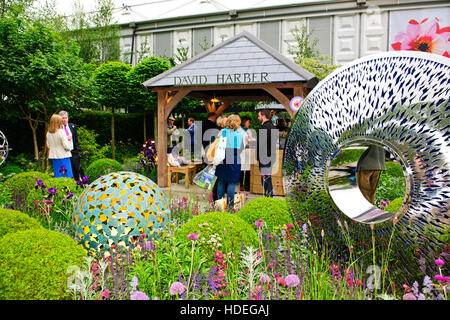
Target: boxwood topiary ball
(118, 206)
(102, 167)
(218, 231)
(273, 211)
(14, 221)
(33, 264)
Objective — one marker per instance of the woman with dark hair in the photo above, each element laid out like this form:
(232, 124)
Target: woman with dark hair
(59, 148)
(228, 172)
(246, 155)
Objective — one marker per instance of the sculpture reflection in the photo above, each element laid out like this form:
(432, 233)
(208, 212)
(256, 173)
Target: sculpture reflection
(353, 180)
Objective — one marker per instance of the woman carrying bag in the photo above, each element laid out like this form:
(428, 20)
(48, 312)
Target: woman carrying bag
(229, 169)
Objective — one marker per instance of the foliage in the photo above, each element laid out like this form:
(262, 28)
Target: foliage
(14, 221)
(102, 167)
(111, 80)
(40, 74)
(273, 211)
(394, 169)
(95, 32)
(6, 195)
(90, 150)
(148, 154)
(34, 264)
(145, 70)
(320, 67)
(394, 205)
(169, 260)
(218, 231)
(347, 156)
(10, 168)
(13, 8)
(23, 182)
(390, 187)
(308, 57)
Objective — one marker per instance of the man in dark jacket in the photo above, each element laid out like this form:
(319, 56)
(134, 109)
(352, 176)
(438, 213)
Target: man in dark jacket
(209, 124)
(71, 132)
(266, 150)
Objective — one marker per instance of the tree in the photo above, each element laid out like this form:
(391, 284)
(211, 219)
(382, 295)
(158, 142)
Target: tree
(40, 74)
(14, 8)
(308, 57)
(111, 80)
(146, 69)
(96, 33)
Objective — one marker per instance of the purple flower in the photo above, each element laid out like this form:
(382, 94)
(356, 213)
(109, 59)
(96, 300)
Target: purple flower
(264, 278)
(176, 288)
(69, 195)
(193, 236)
(51, 191)
(409, 296)
(138, 295)
(439, 262)
(292, 280)
(85, 180)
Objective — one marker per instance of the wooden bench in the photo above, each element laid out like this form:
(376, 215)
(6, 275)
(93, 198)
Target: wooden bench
(188, 170)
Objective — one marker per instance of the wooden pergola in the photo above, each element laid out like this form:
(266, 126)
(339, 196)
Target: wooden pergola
(242, 68)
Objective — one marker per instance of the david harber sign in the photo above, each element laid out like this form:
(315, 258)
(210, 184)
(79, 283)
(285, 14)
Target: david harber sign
(222, 78)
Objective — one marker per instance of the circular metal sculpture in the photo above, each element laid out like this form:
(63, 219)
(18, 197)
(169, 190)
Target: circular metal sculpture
(118, 206)
(398, 101)
(4, 148)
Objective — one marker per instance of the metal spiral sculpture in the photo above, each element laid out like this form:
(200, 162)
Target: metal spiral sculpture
(396, 100)
(4, 148)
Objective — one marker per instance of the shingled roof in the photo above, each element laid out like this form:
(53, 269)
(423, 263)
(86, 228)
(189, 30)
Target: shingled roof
(239, 60)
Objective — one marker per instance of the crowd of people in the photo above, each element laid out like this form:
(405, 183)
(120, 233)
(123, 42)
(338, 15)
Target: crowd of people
(241, 140)
(63, 148)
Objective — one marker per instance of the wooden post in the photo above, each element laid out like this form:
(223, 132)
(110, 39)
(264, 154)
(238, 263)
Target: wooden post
(162, 140)
(222, 108)
(281, 98)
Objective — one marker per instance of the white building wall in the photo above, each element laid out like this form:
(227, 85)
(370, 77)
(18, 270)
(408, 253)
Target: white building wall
(346, 38)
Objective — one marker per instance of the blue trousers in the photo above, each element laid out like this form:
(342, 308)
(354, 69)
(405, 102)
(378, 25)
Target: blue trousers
(230, 189)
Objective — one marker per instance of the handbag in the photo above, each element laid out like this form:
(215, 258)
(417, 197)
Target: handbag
(212, 148)
(219, 153)
(206, 178)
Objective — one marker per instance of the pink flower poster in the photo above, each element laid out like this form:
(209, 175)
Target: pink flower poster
(425, 30)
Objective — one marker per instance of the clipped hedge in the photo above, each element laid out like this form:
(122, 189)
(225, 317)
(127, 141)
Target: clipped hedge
(12, 221)
(218, 231)
(21, 183)
(102, 167)
(34, 264)
(273, 211)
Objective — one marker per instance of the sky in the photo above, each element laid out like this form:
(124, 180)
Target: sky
(142, 10)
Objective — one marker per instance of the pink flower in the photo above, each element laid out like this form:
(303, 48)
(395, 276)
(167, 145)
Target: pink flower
(193, 236)
(264, 278)
(350, 283)
(259, 222)
(48, 201)
(281, 281)
(292, 280)
(176, 288)
(425, 36)
(439, 278)
(409, 296)
(138, 295)
(439, 262)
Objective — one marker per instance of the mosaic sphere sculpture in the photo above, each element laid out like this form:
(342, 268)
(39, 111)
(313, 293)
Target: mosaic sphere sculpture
(117, 207)
(397, 100)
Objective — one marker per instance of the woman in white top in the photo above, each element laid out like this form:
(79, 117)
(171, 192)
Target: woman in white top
(59, 148)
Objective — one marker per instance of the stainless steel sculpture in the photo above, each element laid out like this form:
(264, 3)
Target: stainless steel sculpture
(4, 148)
(397, 100)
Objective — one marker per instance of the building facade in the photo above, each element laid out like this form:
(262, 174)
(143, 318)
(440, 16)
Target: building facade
(345, 30)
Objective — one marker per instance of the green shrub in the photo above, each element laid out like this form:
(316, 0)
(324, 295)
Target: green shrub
(102, 167)
(218, 231)
(14, 221)
(394, 205)
(90, 150)
(394, 169)
(61, 185)
(34, 264)
(273, 211)
(21, 183)
(11, 168)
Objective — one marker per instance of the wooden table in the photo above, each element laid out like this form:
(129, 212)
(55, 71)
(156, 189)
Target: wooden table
(188, 170)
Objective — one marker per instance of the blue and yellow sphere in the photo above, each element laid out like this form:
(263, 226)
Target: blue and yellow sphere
(117, 207)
